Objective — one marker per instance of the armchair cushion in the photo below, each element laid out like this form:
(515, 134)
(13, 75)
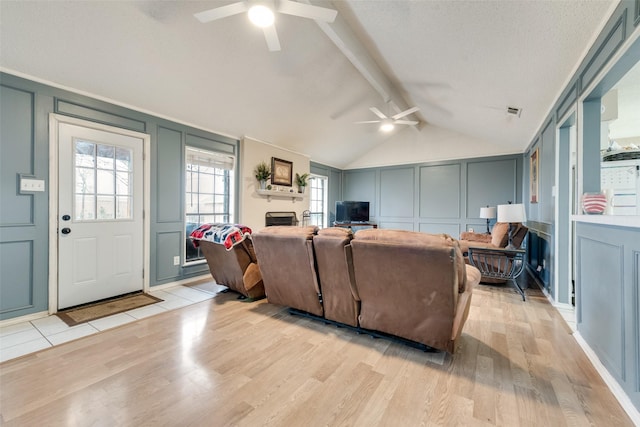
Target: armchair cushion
(500, 234)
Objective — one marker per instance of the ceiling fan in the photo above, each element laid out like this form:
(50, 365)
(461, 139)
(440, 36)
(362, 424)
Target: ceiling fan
(387, 124)
(261, 14)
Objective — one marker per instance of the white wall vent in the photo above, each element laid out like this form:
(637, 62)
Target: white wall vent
(514, 111)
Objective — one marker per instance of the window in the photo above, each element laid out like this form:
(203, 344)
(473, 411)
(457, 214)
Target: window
(208, 194)
(318, 203)
(103, 182)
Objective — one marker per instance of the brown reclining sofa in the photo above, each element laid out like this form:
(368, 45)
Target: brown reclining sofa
(411, 285)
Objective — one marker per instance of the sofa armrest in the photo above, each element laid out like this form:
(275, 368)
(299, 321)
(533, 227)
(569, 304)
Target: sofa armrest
(475, 237)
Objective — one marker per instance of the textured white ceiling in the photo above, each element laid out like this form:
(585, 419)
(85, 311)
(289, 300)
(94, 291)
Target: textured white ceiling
(462, 62)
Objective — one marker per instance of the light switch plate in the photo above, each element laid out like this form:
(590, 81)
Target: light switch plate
(31, 184)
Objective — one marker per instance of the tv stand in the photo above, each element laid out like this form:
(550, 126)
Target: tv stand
(355, 224)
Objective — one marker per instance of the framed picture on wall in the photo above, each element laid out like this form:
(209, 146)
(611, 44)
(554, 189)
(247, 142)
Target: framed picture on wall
(282, 172)
(534, 169)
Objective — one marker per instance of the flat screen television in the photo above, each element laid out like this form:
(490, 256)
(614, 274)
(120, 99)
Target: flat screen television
(348, 211)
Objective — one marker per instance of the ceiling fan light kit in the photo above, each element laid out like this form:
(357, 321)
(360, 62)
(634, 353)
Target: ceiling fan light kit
(387, 124)
(261, 14)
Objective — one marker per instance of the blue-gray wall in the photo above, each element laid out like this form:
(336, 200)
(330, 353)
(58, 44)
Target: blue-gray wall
(437, 197)
(24, 149)
(608, 299)
(622, 23)
(606, 257)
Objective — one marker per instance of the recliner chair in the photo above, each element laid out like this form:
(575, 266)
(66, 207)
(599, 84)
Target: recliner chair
(287, 264)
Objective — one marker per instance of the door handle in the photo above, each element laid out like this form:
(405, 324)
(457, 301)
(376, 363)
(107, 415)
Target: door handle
(66, 217)
(66, 230)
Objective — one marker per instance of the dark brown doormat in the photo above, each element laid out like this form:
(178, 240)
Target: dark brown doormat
(86, 313)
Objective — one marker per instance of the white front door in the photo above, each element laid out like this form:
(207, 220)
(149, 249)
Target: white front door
(100, 214)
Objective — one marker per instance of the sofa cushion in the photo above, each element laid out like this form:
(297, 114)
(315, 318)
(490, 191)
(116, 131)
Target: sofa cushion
(341, 232)
(519, 234)
(402, 236)
(500, 234)
(287, 230)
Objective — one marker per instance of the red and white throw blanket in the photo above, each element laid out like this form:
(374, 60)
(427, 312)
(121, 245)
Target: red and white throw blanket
(228, 235)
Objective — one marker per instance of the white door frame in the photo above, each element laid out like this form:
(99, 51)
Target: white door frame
(567, 215)
(54, 122)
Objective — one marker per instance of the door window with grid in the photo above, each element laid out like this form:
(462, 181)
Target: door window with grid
(103, 181)
(208, 194)
(318, 202)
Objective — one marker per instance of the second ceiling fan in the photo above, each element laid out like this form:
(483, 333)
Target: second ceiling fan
(387, 124)
(261, 13)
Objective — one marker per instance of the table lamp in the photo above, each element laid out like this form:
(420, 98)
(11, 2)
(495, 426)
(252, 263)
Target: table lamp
(511, 213)
(489, 213)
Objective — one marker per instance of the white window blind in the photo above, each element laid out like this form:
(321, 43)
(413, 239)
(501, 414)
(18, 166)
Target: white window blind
(209, 159)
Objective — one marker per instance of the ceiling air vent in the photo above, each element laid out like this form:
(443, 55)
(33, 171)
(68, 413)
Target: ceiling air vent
(513, 111)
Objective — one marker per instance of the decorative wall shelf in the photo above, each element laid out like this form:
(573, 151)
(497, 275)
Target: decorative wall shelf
(281, 194)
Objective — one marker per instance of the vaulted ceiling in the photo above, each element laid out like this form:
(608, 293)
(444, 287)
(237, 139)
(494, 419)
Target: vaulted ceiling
(462, 62)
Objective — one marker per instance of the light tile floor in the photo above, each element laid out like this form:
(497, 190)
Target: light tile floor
(27, 337)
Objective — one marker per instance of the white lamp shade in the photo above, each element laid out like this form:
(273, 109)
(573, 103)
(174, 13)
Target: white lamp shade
(511, 213)
(488, 212)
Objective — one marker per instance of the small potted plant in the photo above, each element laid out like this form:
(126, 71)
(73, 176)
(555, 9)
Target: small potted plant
(262, 173)
(301, 181)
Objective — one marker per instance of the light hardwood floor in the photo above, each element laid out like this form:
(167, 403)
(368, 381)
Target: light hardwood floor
(224, 362)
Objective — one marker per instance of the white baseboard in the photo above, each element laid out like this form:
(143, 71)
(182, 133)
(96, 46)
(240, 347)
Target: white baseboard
(611, 382)
(561, 305)
(25, 318)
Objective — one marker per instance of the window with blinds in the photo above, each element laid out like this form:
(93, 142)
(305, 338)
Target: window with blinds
(208, 193)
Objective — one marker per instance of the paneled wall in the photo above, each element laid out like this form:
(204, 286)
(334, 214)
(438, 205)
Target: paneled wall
(606, 257)
(24, 218)
(542, 214)
(608, 299)
(439, 197)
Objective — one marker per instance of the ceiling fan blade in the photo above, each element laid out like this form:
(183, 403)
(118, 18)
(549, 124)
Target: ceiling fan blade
(307, 11)
(271, 36)
(221, 12)
(378, 113)
(405, 113)
(367, 121)
(405, 122)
